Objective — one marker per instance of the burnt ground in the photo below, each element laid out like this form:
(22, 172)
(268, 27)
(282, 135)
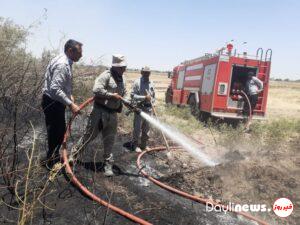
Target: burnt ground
(65, 204)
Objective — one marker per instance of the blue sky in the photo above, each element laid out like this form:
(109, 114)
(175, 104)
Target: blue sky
(162, 33)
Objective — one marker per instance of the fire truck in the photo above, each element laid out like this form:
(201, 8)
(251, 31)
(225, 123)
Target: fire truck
(210, 84)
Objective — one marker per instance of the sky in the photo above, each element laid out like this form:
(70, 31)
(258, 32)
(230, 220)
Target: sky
(161, 33)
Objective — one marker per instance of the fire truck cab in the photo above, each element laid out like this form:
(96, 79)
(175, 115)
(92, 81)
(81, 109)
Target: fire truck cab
(209, 84)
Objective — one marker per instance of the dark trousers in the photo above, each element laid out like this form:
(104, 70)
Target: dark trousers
(253, 101)
(56, 126)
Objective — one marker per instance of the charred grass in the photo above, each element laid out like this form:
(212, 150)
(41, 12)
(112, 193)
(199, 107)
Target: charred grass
(257, 166)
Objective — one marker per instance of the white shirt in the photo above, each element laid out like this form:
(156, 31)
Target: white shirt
(58, 79)
(254, 86)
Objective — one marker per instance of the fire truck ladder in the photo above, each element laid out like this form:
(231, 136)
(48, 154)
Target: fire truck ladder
(263, 71)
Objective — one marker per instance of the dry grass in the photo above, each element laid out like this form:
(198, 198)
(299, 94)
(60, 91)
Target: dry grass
(284, 100)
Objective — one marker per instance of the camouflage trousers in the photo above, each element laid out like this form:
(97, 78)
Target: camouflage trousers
(99, 121)
(141, 129)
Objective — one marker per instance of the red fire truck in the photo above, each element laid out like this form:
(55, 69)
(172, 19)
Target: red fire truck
(209, 84)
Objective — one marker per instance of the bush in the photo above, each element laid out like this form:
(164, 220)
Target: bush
(21, 79)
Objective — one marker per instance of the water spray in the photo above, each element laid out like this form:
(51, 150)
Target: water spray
(134, 218)
(169, 155)
(190, 145)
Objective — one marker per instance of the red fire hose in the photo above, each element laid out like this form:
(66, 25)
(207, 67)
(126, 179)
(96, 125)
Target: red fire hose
(187, 195)
(250, 108)
(245, 96)
(77, 183)
(129, 216)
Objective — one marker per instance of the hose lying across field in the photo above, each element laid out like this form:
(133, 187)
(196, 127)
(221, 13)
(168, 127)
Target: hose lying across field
(78, 184)
(187, 195)
(130, 216)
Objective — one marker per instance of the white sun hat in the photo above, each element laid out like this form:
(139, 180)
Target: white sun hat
(118, 60)
(146, 69)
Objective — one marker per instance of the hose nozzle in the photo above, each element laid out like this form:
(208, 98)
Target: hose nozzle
(131, 107)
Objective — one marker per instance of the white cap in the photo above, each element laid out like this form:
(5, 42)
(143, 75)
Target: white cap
(118, 60)
(146, 69)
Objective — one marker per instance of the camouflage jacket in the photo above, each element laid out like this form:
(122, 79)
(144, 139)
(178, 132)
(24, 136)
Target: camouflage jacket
(104, 86)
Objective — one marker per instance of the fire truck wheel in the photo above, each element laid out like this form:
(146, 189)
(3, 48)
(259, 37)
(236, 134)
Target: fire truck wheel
(204, 116)
(195, 111)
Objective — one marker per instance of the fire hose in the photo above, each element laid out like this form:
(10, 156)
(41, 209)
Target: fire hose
(129, 216)
(185, 194)
(78, 184)
(250, 109)
(245, 96)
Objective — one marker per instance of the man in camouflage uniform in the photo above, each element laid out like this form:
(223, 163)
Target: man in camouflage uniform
(144, 95)
(109, 88)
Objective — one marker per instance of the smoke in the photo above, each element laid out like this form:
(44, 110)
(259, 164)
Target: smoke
(188, 144)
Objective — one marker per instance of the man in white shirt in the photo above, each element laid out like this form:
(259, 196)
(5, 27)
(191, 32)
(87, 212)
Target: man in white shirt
(57, 94)
(253, 87)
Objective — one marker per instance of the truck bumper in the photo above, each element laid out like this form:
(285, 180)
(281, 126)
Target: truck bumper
(235, 116)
